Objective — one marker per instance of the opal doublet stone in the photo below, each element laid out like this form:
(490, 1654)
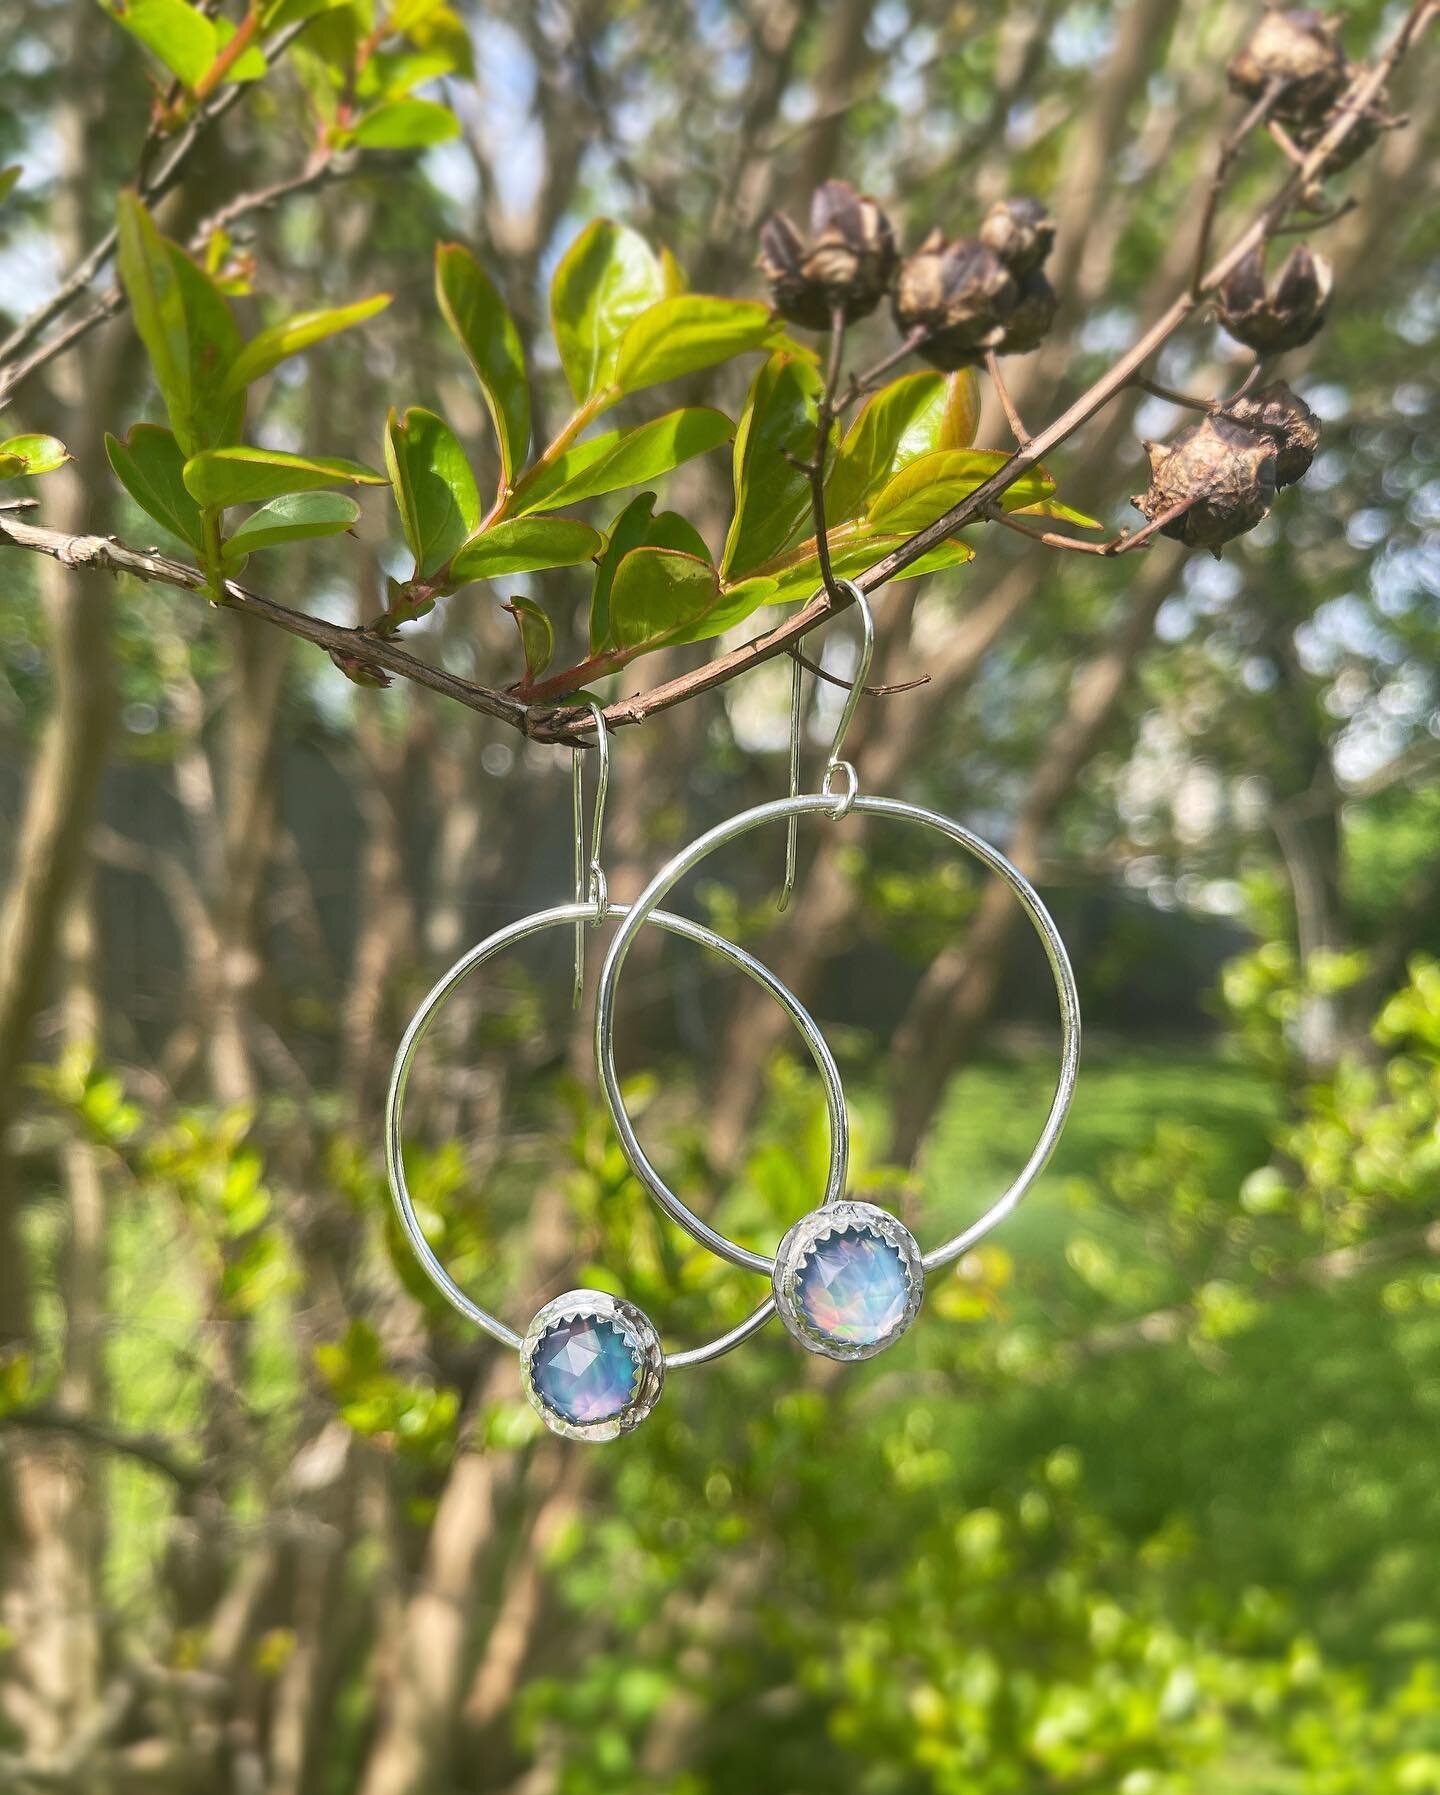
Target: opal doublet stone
(585, 1369)
(852, 1287)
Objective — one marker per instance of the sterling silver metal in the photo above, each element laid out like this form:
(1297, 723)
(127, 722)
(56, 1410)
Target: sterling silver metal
(824, 804)
(801, 1245)
(567, 914)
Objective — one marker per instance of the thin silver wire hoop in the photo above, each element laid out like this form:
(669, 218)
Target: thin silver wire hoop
(782, 809)
(494, 944)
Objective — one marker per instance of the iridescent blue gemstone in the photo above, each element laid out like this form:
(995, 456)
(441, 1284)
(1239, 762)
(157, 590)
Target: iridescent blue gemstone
(585, 1369)
(852, 1287)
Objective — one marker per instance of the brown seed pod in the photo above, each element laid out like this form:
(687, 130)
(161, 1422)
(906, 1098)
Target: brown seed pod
(1282, 316)
(962, 293)
(1367, 130)
(849, 261)
(1280, 415)
(1029, 323)
(1020, 231)
(1227, 474)
(1301, 52)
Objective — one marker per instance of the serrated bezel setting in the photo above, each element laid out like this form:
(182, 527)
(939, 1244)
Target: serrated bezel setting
(799, 1248)
(640, 1338)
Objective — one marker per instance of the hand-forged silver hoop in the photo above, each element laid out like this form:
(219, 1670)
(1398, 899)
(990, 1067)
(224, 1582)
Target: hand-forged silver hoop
(519, 931)
(836, 805)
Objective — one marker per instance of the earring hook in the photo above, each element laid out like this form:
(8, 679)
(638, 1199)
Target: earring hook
(590, 883)
(834, 764)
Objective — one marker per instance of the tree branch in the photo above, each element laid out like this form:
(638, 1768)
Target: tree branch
(358, 648)
(147, 1449)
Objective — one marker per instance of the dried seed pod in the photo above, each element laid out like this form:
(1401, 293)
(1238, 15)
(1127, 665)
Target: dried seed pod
(962, 293)
(1298, 50)
(1227, 474)
(1029, 323)
(1020, 231)
(1369, 126)
(1282, 416)
(1282, 316)
(849, 261)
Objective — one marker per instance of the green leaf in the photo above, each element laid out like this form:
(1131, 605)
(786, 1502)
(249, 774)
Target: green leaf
(150, 465)
(771, 495)
(435, 490)
(1064, 513)
(31, 455)
(152, 286)
(406, 125)
(213, 341)
(634, 527)
(279, 13)
(683, 334)
(472, 307)
(291, 517)
(607, 277)
(537, 637)
(292, 335)
(926, 488)
(246, 476)
(796, 584)
(623, 458)
(525, 545)
(177, 35)
(661, 596)
(8, 178)
(916, 415)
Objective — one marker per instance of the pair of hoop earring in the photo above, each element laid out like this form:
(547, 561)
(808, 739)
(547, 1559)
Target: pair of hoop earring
(848, 1277)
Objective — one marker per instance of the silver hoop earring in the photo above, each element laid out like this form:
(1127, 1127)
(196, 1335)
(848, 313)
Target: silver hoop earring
(593, 1365)
(847, 1279)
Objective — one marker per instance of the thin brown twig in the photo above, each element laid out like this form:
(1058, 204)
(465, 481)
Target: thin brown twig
(1051, 538)
(1229, 150)
(845, 685)
(1007, 404)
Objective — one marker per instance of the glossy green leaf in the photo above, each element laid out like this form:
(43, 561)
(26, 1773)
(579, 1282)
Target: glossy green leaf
(916, 415)
(9, 177)
(661, 596)
(800, 582)
(525, 545)
(245, 476)
(152, 286)
(435, 490)
(537, 636)
(633, 528)
(623, 458)
(607, 277)
(150, 465)
(771, 494)
(292, 335)
(213, 340)
(178, 36)
(471, 305)
(406, 125)
(280, 13)
(926, 488)
(686, 333)
(23, 455)
(290, 518)
(1063, 513)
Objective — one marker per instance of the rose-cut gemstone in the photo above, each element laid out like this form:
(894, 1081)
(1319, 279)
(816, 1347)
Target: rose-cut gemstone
(852, 1287)
(585, 1369)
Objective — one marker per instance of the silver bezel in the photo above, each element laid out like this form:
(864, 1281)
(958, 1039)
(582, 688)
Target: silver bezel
(640, 1336)
(797, 1248)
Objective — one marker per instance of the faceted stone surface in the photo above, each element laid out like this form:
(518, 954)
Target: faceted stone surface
(852, 1287)
(584, 1369)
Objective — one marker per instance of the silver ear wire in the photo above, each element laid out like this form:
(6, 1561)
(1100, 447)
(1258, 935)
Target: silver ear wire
(833, 765)
(590, 883)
